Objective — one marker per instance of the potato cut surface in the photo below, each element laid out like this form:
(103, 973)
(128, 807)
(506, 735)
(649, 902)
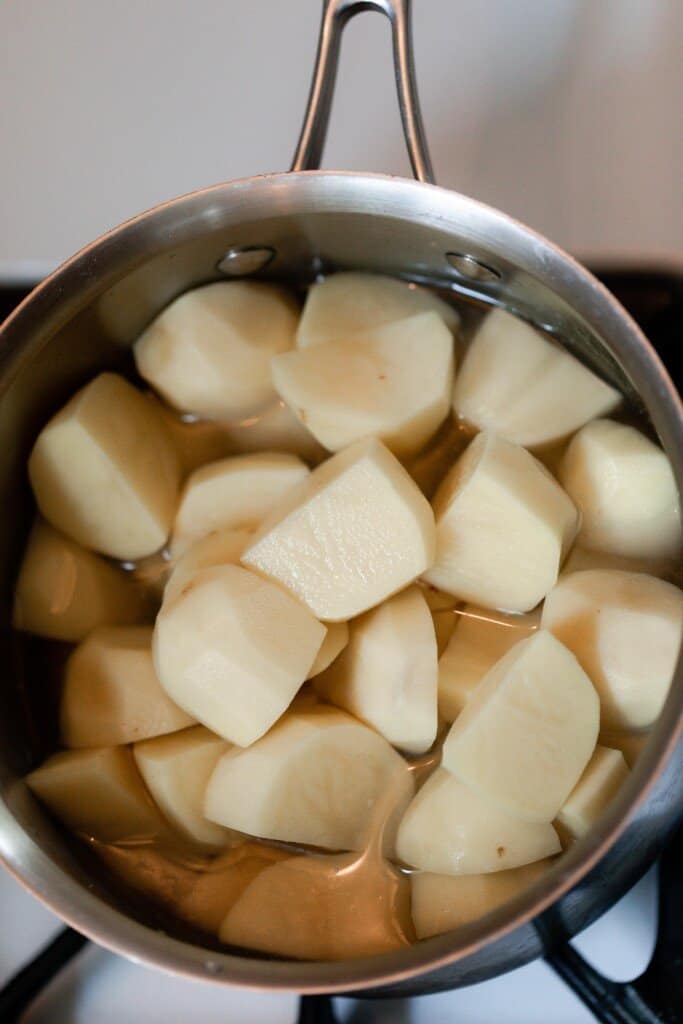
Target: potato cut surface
(356, 531)
(63, 591)
(336, 639)
(111, 692)
(315, 778)
(387, 675)
(97, 792)
(346, 303)
(515, 382)
(176, 770)
(624, 486)
(234, 493)
(221, 547)
(232, 649)
(581, 558)
(528, 730)
(209, 351)
(502, 527)
(450, 829)
(320, 908)
(104, 471)
(625, 629)
(480, 638)
(441, 903)
(602, 779)
(274, 429)
(194, 441)
(394, 382)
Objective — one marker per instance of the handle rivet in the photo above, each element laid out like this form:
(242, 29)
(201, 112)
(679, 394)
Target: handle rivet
(472, 267)
(241, 260)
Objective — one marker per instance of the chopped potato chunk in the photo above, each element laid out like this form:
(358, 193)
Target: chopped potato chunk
(355, 532)
(624, 487)
(602, 778)
(315, 778)
(387, 674)
(63, 591)
(104, 471)
(209, 351)
(222, 547)
(451, 829)
(524, 387)
(234, 493)
(528, 730)
(232, 649)
(346, 303)
(336, 639)
(502, 527)
(394, 383)
(625, 629)
(111, 692)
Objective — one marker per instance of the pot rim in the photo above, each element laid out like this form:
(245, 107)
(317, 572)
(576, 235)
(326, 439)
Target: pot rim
(106, 260)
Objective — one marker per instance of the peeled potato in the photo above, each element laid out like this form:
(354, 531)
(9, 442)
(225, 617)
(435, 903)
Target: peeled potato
(451, 829)
(335, 641)
(624, 486)
(525, 388)
(581, 558)
(195, 442)
(629, 743)
(104, 472)
(441, 903)
(63, 591)
(480, 638)
(232, 649)
(602, 778)
(354, 533)
(387, 674)
(274, 429)
(502, 527)
(234, 493)
(209, 351)
(176, 770)
(111, 693)
(222, 547)
(320, 908)
(315, 778)
(444, 625)
(625, 629)
(346, 303)
(97, 792)
(528, 730)
(394, 383)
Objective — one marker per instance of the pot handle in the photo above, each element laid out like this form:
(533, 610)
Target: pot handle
(336, 14)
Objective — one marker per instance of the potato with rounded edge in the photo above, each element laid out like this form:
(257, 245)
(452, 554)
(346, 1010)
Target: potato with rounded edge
(602, 779)
(111, 692)
(625, 629)
(451, 829)
(441, 903)
(528, 730)
(315, 778)
(348, 302)
(393, 382)
(223, 547)
(503, 526)
(176, 770)
(387, 674)
(480, 638)
(518, 384)
(232, 649)
(209, 351)
(234, 493)
(336, 639)
(104, 471)
(98, 792)
(63, 591)
(355, 532)
(624, 487)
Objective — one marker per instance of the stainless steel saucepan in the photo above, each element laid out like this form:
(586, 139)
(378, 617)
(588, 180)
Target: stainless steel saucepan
(290, 226)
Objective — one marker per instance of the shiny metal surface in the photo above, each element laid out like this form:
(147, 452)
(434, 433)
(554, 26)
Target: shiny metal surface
(85, 317)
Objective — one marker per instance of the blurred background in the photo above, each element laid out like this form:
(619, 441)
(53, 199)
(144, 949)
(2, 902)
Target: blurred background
(565, 113)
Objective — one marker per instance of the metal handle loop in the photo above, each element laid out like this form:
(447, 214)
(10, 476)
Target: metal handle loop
(336, 14)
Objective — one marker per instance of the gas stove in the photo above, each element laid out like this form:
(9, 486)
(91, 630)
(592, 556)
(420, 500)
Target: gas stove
(53, 976)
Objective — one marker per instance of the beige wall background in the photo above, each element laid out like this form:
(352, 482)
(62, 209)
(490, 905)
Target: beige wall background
(566, 113)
